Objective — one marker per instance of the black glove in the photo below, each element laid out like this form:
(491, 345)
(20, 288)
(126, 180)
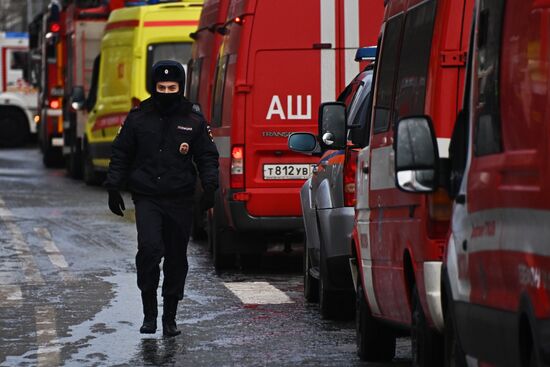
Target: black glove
(116, 204)
(207, 200)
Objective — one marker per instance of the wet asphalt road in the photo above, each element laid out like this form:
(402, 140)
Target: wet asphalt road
(68, 294)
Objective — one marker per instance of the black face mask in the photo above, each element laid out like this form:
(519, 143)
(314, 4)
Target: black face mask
(167, 103)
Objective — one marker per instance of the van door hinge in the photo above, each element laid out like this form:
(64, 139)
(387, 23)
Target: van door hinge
(453, 58)
(243, 88)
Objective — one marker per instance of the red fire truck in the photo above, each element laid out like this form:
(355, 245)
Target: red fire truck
(83, 30)
(400, 237)
(46, 51)
(64, 41)
(274, 68)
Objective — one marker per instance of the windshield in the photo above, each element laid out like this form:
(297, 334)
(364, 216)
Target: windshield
(180, 51)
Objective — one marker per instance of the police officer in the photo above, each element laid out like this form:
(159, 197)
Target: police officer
(153, 156)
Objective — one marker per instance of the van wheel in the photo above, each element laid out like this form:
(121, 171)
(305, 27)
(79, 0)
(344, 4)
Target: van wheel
(328, 300)
(89, 174)
(197, 230)
(311, 285)
(251, 261)
(52, 157)
(533, 362)
(210, 231)
(74, 160)
(221, 239)
(375, 342)
(454, 355)
(426, 343)
(14, 128)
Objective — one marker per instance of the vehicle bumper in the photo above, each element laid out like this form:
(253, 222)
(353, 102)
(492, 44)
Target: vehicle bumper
(336, 227)
(244, 222)
(432, 283)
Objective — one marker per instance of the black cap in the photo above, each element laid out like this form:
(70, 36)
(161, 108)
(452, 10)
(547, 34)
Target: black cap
(168, 71)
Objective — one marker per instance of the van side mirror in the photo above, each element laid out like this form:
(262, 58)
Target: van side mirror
(78, 99)
(416, 155)
(304, 143)
(332, 125)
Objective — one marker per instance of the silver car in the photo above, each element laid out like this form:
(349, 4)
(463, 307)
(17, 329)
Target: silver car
(328, 199)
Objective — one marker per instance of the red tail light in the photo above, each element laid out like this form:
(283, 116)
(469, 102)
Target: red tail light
(135, 102)
(237, 167)
(55, 104)
(439, 210)
(350, 167)
(55, 27)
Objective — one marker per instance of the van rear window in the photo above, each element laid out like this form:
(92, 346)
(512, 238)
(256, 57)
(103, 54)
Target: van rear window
(386, 70)
(410, 94)
(487, 126)
(194, 76)
(178, 51)
(219, 89)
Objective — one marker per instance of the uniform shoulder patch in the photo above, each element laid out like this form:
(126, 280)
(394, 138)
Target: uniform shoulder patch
(196, 108)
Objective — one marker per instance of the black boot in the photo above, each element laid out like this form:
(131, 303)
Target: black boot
(150, 312)
(170, 307)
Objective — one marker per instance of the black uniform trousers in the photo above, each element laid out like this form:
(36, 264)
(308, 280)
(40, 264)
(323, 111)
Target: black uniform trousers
(163, 226)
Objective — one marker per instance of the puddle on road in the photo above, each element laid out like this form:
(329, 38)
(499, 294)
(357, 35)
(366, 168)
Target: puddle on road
(111, 337)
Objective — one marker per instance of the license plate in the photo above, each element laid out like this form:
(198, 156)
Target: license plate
(287, 171)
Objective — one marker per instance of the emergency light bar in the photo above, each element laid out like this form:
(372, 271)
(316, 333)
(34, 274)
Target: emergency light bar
(366, 54)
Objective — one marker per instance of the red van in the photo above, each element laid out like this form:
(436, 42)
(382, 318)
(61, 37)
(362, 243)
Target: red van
(496, 277)
(201, 68)
(278, 61)
(400, 237)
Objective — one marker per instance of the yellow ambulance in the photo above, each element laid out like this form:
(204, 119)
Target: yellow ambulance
(135, 38)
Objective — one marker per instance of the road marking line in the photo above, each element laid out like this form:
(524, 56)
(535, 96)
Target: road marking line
(30, 269)
(46, 336)
(258, 293)
(55, 256)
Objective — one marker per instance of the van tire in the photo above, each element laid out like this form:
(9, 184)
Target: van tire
(14, 128)
(311, 285)
(328, 300)
(74, 160)
(453, 354)
(375, 341)
(427, 344)
(221, 238)
(52, 157)
(89, 174)
(197, 229)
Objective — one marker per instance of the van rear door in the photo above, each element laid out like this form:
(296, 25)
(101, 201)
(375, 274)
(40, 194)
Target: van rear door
(284, 94)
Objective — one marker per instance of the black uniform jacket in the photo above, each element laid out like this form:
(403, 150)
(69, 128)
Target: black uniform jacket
(146, 153)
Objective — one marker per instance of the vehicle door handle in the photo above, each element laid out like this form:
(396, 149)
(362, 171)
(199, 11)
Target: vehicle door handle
(365, 169)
